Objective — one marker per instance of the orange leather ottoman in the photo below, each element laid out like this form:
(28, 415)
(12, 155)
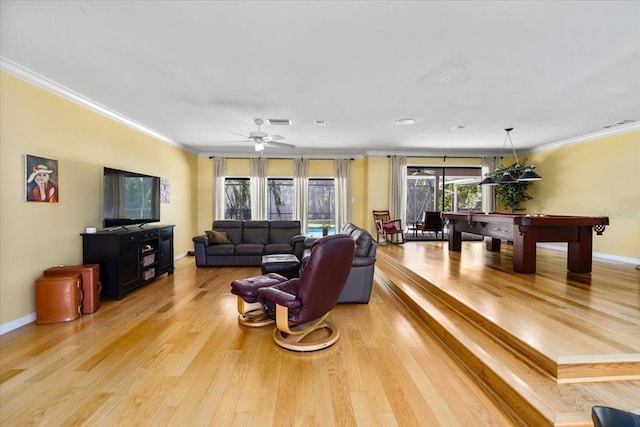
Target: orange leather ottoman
(90, 283)
(58, 298)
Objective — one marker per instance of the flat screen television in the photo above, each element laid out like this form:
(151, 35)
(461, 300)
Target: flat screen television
(129, 198)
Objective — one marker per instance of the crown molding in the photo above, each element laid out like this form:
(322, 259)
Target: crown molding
(42, 82)
(584, 138)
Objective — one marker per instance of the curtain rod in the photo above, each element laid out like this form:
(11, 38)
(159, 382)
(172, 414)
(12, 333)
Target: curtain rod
(444, 158)
(280, 158)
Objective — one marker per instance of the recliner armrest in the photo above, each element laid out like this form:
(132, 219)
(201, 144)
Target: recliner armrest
(282, 298)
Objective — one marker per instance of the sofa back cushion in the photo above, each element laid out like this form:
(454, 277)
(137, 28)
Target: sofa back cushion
(364, 240)
(233, 228)
(283, 231)
(255, 232)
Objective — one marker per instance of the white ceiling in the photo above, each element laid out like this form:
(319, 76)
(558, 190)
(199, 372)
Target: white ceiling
(195, 71)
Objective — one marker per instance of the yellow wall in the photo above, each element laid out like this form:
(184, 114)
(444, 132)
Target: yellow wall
(594, 178)
(36, 236)
(591, 178)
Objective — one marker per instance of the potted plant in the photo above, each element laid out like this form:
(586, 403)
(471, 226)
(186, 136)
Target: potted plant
(325, 229)
(514, 194)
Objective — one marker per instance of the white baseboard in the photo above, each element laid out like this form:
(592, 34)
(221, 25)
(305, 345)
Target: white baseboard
(15, 324)
(600, 255)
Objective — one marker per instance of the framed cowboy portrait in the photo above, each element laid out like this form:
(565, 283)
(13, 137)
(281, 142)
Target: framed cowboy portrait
(41, 179)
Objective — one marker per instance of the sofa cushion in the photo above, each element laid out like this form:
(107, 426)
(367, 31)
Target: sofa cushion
(256, 232)
(217, 237)
(233, 228)
(278, 248)
(249, 249)
(219, 250)
(283, 231)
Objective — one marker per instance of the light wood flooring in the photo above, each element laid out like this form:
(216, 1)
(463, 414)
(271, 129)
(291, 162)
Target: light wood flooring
(172, 352)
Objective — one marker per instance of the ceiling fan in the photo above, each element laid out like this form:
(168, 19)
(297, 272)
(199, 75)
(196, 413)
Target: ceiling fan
(260, 138)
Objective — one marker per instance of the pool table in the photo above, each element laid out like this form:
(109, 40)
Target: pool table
(525, 231)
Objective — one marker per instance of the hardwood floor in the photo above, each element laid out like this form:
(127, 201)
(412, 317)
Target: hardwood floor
(172, 352)
(548, 345)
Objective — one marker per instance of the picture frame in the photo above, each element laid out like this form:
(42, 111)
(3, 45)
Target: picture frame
(41, 179)
(165, 191)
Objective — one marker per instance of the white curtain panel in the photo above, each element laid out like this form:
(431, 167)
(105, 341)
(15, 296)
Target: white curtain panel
(489, 164)
(301, 191)
(398, 188)
(218, 188)
(258, 187)
(343, 192)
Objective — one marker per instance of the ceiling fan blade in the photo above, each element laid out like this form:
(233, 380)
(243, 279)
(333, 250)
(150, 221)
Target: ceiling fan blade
(280, 144)
(239, 134)
(276, 137)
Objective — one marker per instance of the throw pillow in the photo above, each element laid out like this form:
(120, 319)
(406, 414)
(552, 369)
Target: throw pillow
(217, 237)
(389, 226)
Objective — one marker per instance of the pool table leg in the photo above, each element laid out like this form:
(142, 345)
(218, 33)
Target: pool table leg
(455, 238)
(524, 252)
(579, 253)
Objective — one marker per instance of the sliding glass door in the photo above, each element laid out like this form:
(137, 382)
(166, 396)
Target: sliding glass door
(451, 189)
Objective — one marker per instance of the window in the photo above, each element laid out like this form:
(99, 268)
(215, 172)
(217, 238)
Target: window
(442, 189)
(280, 198)
(321, 206)
(237, 198)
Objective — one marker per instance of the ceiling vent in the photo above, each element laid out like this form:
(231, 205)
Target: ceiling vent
(622, 123)
(279, 122)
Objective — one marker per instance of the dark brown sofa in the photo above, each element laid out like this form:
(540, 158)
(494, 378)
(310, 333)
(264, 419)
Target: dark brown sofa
(248, 242)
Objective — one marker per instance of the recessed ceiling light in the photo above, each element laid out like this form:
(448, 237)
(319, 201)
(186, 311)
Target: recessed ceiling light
(320, 123)
(404, 122)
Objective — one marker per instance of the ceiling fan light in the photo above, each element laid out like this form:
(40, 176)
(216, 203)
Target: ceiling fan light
(529, 175)
(259, 146)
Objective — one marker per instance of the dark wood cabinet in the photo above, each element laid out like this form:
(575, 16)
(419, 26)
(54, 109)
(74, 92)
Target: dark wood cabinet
(129, 258)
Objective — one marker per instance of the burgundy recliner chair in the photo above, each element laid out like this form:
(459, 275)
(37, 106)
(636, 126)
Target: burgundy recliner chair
(302, 304)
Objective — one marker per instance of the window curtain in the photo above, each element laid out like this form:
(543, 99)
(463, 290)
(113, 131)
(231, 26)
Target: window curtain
(301, 192)
(398, 188)
(343, 192)
(218, 188)
(258, 184)
(489, 164)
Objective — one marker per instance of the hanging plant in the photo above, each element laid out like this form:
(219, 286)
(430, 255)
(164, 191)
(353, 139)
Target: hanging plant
(514, 194)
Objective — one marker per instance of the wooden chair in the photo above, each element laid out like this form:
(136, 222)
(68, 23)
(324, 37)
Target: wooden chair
(389, 229)
(432, 222)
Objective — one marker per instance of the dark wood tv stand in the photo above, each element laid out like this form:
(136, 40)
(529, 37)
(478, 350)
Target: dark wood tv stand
(129, 258)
